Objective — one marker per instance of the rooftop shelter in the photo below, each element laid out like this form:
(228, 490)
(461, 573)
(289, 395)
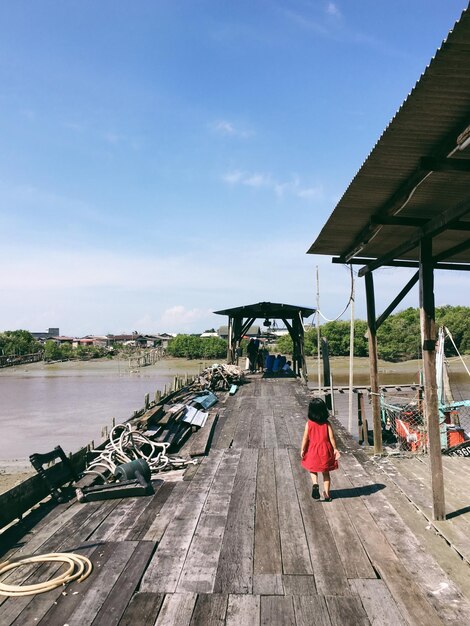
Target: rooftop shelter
(241, 318)
(409, 206)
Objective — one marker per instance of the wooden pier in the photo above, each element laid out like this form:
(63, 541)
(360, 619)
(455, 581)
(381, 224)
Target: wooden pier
(239, 540)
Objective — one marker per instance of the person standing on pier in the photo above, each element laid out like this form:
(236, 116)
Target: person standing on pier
(318, 451)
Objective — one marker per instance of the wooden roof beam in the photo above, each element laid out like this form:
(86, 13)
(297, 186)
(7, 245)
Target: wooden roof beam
(431, 229)
(465, 267)
(432, 164)
(416, 222)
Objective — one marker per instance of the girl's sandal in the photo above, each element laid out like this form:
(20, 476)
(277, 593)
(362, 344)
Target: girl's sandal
(327, 498)
(316, 492)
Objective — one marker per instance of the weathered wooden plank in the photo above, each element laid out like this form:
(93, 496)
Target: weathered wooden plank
(235, 569)
(246, 416)
(277, 611)
(200, 567)
(23, 609)
(282, 434)
(299, 585)
(256, 434)
(407, 594)
(354, 558)
(311, 610)
(270, 439)
(167, 512)
(210, 610)
(449, 601)
(378, 602)
(294, 547)
(71, 534)
(141, 525)
(165, 568)
(118, 522)
(177, 609)
(142, 609)
(267, 547)
(127, 583)
(243, 610)
(346, 610)
(84, 600)
(228, 425)
(328, 570)
(200, 441)
(268, 585)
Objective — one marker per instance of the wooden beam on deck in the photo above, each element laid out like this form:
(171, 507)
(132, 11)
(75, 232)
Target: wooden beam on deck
(428, 334)
(373, 363)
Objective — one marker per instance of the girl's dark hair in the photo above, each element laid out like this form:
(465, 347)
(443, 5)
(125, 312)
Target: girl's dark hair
(318, 411)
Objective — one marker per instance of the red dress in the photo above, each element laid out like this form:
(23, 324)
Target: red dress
(320, 456)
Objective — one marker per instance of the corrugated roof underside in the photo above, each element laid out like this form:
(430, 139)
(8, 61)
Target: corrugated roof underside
(429, 121)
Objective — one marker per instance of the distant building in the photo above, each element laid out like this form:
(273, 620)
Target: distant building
(45, 335)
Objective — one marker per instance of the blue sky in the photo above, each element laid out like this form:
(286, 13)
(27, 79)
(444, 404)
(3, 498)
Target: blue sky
(161, 160)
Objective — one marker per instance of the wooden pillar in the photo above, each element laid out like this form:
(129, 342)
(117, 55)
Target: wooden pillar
(373, 363)
(230, 340)
(428, 337)
(326, 371)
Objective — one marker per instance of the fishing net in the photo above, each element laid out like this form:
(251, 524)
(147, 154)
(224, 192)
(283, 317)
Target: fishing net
(405, 429)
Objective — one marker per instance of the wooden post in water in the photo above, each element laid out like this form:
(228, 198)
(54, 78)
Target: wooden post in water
(428, 336)
(158, 396)
(373, 362)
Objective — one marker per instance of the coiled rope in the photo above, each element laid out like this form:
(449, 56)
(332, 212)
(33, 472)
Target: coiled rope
(127, 444)
(79, 567)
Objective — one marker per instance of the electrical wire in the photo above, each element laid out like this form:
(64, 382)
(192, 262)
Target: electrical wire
(351, 295)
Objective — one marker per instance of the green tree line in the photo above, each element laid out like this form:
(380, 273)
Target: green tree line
(398, 338)
(193, 347)
(18, 342)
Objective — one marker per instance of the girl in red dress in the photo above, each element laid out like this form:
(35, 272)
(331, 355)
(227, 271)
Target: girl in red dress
(318, 450)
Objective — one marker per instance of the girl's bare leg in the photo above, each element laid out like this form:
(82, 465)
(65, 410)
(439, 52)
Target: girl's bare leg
(315, 488)
(326, 483)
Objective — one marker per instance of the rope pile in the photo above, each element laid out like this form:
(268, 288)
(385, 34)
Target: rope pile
(79, 567)
(127, 444)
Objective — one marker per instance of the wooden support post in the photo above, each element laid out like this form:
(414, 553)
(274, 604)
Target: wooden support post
(146, 401)
(362, 420)
(373, 363)
(428, 336)
(158, 396)
(230, 340)
(326, 371)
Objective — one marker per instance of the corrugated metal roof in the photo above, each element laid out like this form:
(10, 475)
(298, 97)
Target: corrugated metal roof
(428, 124)
(267, 310)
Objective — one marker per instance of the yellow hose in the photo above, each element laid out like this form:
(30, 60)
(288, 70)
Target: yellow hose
(79, 567)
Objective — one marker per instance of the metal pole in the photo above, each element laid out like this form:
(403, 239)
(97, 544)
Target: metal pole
(318, 333)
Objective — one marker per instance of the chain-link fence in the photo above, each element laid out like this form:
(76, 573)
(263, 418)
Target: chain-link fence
(404, 424)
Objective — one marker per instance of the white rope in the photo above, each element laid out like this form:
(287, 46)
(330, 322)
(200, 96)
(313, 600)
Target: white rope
(351, 296)
(79, 567)
(127, 446)
(456, 349)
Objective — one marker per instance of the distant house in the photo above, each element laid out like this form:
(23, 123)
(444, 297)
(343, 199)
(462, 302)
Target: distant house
(60, 340)
(209, 333)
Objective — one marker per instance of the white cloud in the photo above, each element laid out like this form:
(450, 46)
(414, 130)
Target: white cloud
(224, 127)
(280, 188)
(179, 318)
(332, 9)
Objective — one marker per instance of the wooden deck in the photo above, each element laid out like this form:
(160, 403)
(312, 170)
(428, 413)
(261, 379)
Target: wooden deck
(240, 541)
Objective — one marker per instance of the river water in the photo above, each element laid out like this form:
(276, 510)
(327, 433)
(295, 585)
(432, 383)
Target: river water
(68, 404)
